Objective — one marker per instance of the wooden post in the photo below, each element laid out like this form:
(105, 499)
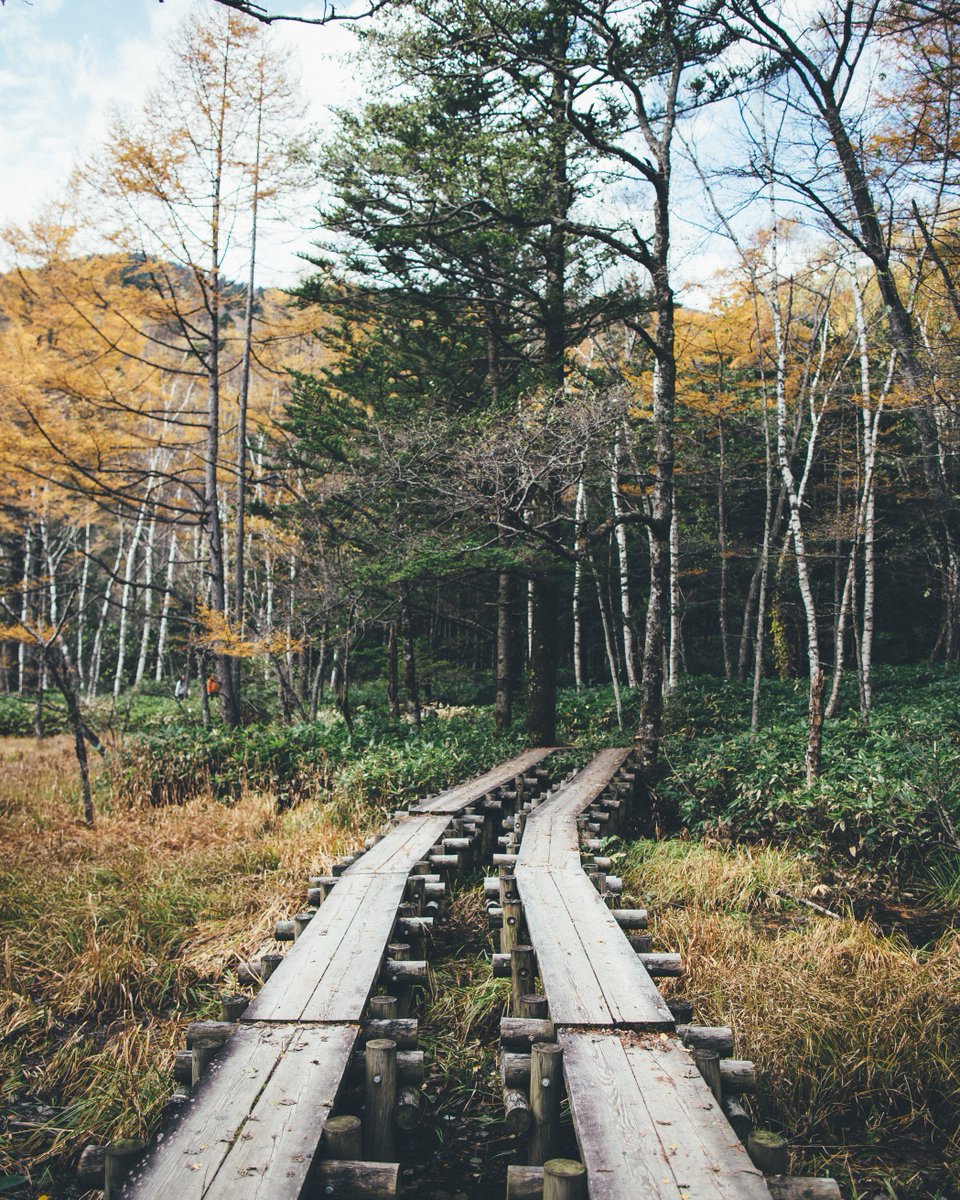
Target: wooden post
(382, 1008)
(546, 1090)
(400, 952)
(516, 1110)
(372, 1181)
(342, 1138)
(409, 1104)
(682, 1010)
(768, 1151)
(510, 928)
(564, 1179)
(300, 922)
(532, 1005)
(738, 1117)
(523, 970)
(708, 1064)
(232, 1006)
(507, 885)
(118, 1161)
(90, 1166)
(381, 1100)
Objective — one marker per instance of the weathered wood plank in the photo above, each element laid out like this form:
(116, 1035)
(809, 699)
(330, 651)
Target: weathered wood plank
(622, 1153)
(680, 1102)
(628, 989)
(464, 794)
(337, 956)
(237, 1095)
(348, 979)
(550, 837)
(647, 1125)
(273, 1154)
(399, 849)
(591, 975)
(569, 980)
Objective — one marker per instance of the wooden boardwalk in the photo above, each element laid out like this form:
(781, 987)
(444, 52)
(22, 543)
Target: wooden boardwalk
(647, 1124)
(590, 973)
(251, 1129)
(465, 794)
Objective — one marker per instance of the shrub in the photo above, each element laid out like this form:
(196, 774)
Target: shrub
(887, 797)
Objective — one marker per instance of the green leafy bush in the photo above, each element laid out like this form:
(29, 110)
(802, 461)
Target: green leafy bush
(382, 762)
(887, 797)
(18, 713)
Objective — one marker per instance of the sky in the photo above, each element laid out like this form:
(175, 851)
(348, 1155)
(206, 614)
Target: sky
(67, 65)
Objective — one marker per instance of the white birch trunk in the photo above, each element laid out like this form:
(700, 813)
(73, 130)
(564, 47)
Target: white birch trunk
(125, 598)
(674, 663)
(96, 657)
(165, 607)
(25, 606)
(579, 517)
(82, 606)
(629, 650)
(147, 602)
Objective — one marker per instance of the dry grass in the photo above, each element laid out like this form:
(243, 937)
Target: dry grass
(856, 1035)
(113, 937)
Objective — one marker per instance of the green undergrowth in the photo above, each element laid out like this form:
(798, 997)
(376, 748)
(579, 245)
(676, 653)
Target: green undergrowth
(381, 763)
(887, 800)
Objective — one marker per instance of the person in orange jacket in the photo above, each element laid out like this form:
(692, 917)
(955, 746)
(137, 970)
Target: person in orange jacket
(212, 686)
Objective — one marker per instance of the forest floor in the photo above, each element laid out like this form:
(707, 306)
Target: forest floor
(113, 938)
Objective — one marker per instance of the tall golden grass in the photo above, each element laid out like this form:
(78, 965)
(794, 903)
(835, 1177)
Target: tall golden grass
(112, 937)
(856, 1034)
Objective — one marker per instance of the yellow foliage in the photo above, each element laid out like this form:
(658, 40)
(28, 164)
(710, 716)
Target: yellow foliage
(217, 635)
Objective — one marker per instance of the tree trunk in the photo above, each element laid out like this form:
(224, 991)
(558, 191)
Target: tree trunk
(211, 500)
(664, 398)
(25, 607)
(82, 605)
(722, 538)
(579, 539)
(147, 603)
(393, 681)
(675, 665)
(608, 643)
(125, 599)
(409, 657)
(541, 699)
(503, 704)
(165, 607)
(629, 650)
(316, 691)
(95, 660)
(61, 675)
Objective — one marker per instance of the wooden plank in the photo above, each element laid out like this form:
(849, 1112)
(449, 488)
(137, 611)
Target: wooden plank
(348, 979)
(569, 981)
(472, 790)
(590, 972)
(622, 1153)
(591, 975)
(339, 952)
(186, 1161)
(585, 787)
(703, 1149)
(647, 1125)
(273, 1154)
(401, 848)
(630, 993)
